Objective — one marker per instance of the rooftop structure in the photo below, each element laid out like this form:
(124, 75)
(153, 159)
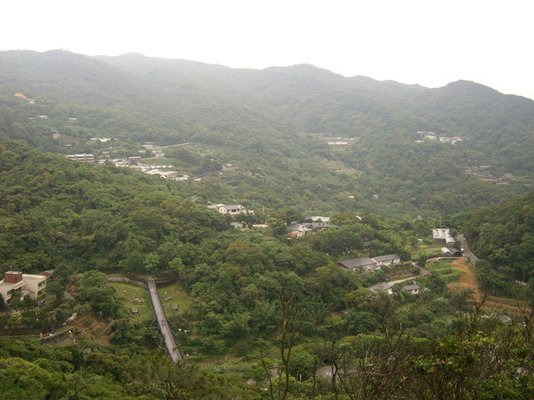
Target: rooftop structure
(84, 158)
(318, 218)
(442, 235)
(15, 283)
(370, 264)
(357, 263)
(412, 289)
(231, 209)
(387, 259)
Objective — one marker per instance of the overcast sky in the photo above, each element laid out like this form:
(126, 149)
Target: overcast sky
(430, 42)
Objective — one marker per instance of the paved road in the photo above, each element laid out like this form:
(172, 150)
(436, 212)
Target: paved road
(164, 328)
(388, 284)
(467, 251)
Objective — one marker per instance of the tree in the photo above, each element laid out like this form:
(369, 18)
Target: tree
(57, 289)
(94, 289)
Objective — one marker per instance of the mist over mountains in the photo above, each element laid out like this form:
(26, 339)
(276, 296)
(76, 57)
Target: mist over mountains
(281, 119)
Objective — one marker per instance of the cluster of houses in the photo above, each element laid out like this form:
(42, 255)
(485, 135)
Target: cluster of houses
(412, 289)
(432, 136)
(364, 264)
(15, 283)
(135, 162)
(230, 209)
(374, 264)
(313, 224)
(164, 171)
(370, 264)
(83, 158)
(443, 236)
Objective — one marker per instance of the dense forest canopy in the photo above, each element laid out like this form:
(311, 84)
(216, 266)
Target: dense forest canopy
(503, 235)
(274, 127)
(55, 211)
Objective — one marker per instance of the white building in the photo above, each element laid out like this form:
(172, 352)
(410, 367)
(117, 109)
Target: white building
(230, 209)
(441, 235)
(388, 259)
(84, 158)
(370, 264)
(15, 283)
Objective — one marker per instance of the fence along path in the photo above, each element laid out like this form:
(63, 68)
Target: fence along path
(164, 328)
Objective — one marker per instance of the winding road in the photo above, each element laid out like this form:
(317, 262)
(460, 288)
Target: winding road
(467, 251)
(164, 328)
(388, 284)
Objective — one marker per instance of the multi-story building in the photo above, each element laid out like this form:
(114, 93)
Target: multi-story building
(15, 283)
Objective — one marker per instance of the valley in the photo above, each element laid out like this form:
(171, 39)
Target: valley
(286, 216)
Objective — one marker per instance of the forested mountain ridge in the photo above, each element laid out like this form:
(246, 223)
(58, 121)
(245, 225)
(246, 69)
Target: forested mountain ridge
(307, 91)
(274, 125)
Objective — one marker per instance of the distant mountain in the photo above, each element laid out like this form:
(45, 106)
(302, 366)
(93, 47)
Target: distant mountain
(275, 124)
(308, 92)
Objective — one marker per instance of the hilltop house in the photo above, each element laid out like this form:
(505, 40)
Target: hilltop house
(15, 283)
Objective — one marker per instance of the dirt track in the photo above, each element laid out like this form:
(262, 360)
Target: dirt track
(468, 280)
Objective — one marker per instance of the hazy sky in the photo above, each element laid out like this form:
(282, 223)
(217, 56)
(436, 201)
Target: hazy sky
(430, 42)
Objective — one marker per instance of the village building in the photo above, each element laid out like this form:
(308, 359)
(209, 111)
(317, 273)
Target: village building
(370, 264)
(451, 252)
(360, 264)
(15, 283)
(388, 259)
(83, 158)
(230, 209)
(411, 289)
(443, 236)
(300, 229)
(318, 218)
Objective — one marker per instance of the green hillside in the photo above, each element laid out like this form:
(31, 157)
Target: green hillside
(273, 127)
(503, 236)
(58, 212)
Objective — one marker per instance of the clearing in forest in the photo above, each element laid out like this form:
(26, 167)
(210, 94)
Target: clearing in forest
(468, 280)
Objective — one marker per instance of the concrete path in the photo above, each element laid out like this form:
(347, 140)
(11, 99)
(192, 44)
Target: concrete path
(467, 251)
(388, 284)
(164, 328)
